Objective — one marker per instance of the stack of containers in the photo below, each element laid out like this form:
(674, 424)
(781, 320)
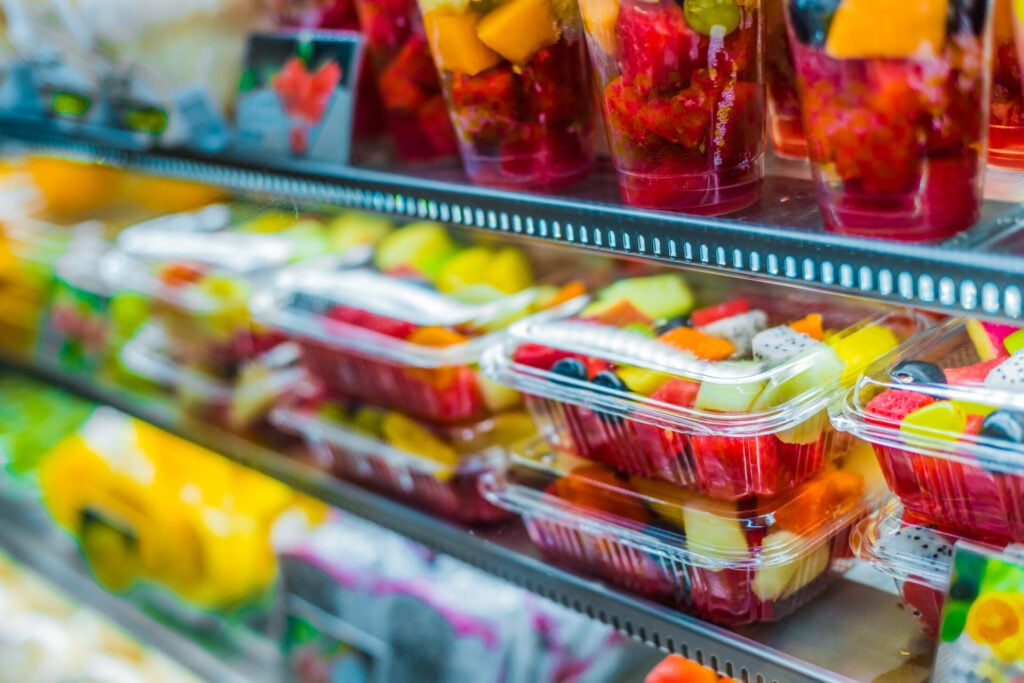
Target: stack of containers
(689, 455)
(396, 349)
(193, 275)
(944, 415)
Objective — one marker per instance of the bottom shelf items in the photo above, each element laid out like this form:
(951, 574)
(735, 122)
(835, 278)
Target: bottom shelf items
(850, 633)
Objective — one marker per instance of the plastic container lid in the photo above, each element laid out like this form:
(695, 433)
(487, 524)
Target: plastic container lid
(781, 395)
(659, 518)
(298, 304)
(935, 394)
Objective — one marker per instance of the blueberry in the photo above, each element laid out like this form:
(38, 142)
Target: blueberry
(917, 372)
(570, 367)
(966, 15)
(811, 20)
(609, 380)
(1001, 426)
(673, 323)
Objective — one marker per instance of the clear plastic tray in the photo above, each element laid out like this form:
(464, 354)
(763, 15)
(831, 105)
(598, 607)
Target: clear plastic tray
(353, 443)
(942, 469)
(435, 382)
(240, 403)
(775, 435)
(733, 563)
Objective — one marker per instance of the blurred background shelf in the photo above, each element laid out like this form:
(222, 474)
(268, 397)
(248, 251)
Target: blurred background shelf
(780, 238)
(852, 633)
(35, 545)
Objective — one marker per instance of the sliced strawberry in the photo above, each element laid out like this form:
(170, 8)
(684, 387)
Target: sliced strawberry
(657, 48)
(624, 108)
(539, 356)
(892, 405)
(677, 392)
(684, 119)
(488, 105)
(726, 309)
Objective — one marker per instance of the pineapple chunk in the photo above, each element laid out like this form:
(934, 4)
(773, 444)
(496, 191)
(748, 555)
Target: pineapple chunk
(910, 27)
(780, 579)
(712, 529)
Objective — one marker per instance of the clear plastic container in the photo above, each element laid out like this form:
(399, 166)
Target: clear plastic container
(436, 468)
(399, 343)
(916, 556)
(1006, 120)
(729, 429)
(937, 440)
(785, 121)
(730, 563)
(240, 403)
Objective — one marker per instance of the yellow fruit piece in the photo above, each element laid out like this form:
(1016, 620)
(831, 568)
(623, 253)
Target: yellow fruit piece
(270, 222)
(436, 337)
(454, 42)
(811, 326)
(566, 11)
(519, 29)
(73, 187)
(664, 498)
(170, 195)
(509, 271)
(599, 20)
(468, 267)
(861, 347)
(699, 344)
(863, 29)
(642, 380)
(408, 435)
(1019, 7)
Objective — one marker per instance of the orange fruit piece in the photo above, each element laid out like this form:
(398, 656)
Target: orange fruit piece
(569, 292)
(811, 326)
(699, 344)
(864, 29)
(597, 487)
(436, 336)
(676, 669)
(454, 42)
(73, 187)
(519, 29)
(622, 313)
(826, 496)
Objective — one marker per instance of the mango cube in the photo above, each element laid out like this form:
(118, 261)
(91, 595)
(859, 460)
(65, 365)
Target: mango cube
(519, 29)
(454, 42)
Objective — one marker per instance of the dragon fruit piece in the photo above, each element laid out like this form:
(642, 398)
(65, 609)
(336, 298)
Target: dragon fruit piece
(779, 344)
(738, 329)
(1008, 375)
(918, 544)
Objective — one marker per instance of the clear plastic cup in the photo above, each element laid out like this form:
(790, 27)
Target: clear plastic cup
(785, 122)
(407, 79)
(683, 100)
(515, 75)
(1006, 119)
(894, 101)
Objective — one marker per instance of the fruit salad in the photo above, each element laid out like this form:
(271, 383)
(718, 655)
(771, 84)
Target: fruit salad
(515, 76)
(436, 468)
(728, 399)
(397, 48)
(407, 334)
(915, 554)
(1006, 120)
(732, 563)
(893, 107)
(683, 96)
(785, 122)
(944, 416)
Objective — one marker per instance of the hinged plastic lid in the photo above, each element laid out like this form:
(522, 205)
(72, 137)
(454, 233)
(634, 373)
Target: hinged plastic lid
(953, 392)
(662, 519)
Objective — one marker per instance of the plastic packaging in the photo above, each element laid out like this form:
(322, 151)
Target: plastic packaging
(683, 97)
(437, 468)
(729, 428)
(1006, 121)
(928, 430)
(785, 121)
(516, 79)
(893, 109)
(729, 563)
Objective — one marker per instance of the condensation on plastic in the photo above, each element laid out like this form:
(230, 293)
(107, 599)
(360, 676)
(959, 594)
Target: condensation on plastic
(373, 462)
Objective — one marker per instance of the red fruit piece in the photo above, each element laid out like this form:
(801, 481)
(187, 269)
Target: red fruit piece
(552, 81)
(971, 374)
(488, 105)
(391, 327)
(547, 156)
(676, 669)
(727, 309)
(436, 127)
(677, 392)
(624, 108)
(728, 466)
(657, 47)
(892, 405)
(411, 78)
(973, 424)
(539, 356)
(595, 366)
(684, 119)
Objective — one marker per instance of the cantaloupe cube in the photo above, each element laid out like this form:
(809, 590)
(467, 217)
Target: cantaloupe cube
(599, 20)
(454, 42)
(519, 29)
(863, 29)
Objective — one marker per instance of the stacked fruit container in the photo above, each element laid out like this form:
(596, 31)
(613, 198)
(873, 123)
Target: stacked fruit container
(688, 453)
(943, 414)
(395, 347)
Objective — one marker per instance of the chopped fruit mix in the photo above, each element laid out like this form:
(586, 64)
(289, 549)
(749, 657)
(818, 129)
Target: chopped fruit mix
(755, 560)
(944, 427)
(785, 122)
(397, 48)
(892, 103)
(1006, 121)
(516, 79)
(634, 379)
(421, 271)
(683, 99)
(430, 466)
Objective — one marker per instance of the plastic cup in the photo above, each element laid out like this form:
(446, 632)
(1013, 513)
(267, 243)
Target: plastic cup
(515, 76)
(894, 108)
(407, 79)
(1006, 119)
(683, 99)
(785, 123)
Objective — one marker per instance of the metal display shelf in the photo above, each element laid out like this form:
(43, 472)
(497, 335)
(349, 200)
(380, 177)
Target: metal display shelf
(253, 659)
(851, 633)
(780, 238)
